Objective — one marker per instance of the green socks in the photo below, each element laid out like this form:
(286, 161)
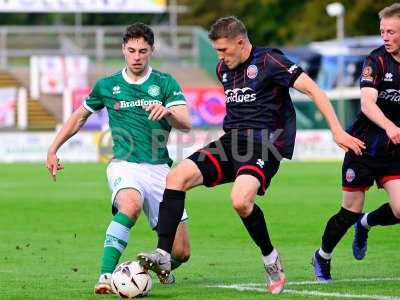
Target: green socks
(117, 236)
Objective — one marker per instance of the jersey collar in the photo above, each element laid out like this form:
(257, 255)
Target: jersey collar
(247, 61)
(140, 81)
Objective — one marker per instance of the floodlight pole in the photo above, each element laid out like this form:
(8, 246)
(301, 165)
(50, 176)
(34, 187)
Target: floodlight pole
(173, 23)
(78, 29)
(340, 38)
(174, 9)
(336, 9)
(3, 49)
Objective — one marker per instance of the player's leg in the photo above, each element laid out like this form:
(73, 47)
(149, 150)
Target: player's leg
(180, 251)
(386, 215)
(389, 213)
(127, 199)
(156, 183)
(181, 248)
(356, 179)
(207, 166)
(253, 176)
(180, 179)
(185, 176)
(243, 194)
(335, 229)
(128, 203)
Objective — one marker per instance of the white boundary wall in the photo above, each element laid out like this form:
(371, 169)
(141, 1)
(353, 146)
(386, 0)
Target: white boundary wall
(32, 147)
(83, 147)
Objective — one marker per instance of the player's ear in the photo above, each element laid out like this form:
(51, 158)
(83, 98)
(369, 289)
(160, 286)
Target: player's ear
(240, 42)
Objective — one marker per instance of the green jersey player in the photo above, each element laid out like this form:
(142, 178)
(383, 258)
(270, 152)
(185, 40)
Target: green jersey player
(143, 105)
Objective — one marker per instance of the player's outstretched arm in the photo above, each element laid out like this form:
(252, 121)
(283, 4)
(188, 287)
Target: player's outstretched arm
(177, 115)
(307, 86)
(369, 96)
(72, 126)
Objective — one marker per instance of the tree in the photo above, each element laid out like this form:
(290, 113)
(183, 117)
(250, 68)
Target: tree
(287, 22)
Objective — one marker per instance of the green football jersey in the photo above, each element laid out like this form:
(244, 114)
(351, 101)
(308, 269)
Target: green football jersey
(135, 137)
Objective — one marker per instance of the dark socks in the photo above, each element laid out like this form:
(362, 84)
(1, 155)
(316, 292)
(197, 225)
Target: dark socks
(169, 216)
(257, 228)
(336, 228)
(175, 263)
(382, 216)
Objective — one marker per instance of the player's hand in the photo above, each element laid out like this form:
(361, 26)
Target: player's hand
(53, 165)
(393, 133)
(346, 142)
(157, 111)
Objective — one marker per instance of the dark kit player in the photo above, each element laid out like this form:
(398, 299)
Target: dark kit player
(259, 130)
(378, 126)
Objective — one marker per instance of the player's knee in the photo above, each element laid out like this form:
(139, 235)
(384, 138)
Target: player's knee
(242, 205)
(178, 180)
(174, 181)
(129, 206)
(131, 212)
(353, 201)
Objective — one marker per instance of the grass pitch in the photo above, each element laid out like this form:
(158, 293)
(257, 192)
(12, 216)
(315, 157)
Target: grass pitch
(51, 237)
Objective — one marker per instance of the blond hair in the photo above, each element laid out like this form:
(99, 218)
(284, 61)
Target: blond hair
(390, 11)
(227, 27)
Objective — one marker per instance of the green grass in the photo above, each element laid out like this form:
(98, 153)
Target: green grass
(51, 236)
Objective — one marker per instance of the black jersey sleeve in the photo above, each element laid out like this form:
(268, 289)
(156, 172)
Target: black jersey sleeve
(371, 75)
(281, 69)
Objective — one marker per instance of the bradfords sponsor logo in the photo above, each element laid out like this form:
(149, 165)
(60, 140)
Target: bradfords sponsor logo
(390, 95)
(240, 95)
(135, 103)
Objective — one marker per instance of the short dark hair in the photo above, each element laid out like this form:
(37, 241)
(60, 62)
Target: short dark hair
(139, 30)
(390, 11)
(227, 27)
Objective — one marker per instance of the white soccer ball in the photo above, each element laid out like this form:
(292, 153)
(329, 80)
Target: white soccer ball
(130, 280)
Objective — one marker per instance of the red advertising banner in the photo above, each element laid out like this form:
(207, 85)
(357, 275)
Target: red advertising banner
(97, 120)
(8, 99)
(57, 73)
(207, 105)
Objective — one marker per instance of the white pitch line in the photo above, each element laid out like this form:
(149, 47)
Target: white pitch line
(345, 280)
(314, 282)
(257, 287)
(340, 295)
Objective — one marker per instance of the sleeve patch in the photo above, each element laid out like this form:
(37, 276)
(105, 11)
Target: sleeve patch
(367, 74)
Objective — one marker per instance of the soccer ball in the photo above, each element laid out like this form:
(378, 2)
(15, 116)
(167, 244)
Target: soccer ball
(130, 280)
